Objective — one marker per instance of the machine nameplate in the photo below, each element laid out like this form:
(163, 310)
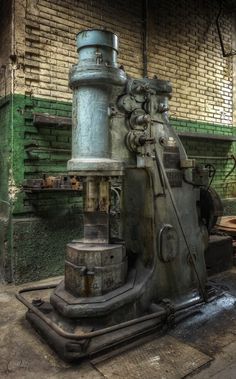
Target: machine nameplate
(175, 177)
(171, 157)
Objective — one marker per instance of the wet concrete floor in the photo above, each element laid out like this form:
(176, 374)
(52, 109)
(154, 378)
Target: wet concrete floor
(210, 334)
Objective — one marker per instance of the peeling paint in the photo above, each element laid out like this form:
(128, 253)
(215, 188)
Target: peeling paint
(13, 190)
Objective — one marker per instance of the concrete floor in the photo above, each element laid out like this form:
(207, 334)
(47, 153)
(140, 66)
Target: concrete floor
(212, 333)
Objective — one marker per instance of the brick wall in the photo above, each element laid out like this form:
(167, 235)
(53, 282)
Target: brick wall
(49, 153)
(5, 47)
(216, 152)
(50, 29)
(183, 46)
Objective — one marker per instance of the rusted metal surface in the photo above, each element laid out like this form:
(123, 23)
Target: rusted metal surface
(93, 269)
(96, 194)
(96, 227)
(53, 183)
(44, 119)
(72, 340)
(43, 310)
(71, 305)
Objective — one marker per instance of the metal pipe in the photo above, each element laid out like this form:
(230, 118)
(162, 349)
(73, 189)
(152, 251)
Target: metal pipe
(160, 176)
(145, 38)
(232, 169)
(88, 335)
(232, 52)
(178, 310)
(93, 81)
(211, 157)
(47, 150)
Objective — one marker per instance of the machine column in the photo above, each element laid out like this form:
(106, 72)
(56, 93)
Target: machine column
(94, 265)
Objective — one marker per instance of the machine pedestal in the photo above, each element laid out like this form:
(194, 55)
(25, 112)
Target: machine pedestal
(74, 339)
(93, 269)
(70, 349)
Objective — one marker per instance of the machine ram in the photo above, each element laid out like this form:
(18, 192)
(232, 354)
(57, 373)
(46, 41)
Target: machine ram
(120, 287)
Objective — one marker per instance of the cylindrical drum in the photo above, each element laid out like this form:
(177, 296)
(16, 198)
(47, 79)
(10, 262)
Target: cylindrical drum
(93, 81)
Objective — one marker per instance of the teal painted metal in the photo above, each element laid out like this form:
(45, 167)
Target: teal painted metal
(89, 41)
(94, 80)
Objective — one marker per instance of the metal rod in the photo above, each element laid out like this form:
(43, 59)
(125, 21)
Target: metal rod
(47, 149)
(145, 38)
(232, 169)
(211, 157)
(160, 176)
(232, 52)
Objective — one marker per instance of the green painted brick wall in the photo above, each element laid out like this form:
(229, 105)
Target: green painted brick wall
(35, 164)
(5, 147)
(225, 185)
(36, 227)
(5, 169)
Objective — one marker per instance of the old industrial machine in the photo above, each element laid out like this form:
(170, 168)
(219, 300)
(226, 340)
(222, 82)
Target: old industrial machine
(120, 287)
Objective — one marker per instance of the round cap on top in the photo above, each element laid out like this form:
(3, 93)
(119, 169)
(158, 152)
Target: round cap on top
(96, 37)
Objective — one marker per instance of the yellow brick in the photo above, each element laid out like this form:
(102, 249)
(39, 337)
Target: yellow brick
(181, 49)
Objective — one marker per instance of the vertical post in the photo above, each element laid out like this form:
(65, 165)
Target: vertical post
(93, 81)
(89, 267)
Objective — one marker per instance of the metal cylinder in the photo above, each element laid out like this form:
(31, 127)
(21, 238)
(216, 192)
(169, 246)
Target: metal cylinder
(93, 81)
(96, 209)
(96, 45)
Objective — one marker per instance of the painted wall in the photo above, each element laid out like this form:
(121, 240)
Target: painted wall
(182, 46)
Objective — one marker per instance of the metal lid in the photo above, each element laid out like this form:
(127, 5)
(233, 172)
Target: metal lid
(96, 37)
(227, 224)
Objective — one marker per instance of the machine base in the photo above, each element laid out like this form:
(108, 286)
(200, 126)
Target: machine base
(76, 339)
(72, 350)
